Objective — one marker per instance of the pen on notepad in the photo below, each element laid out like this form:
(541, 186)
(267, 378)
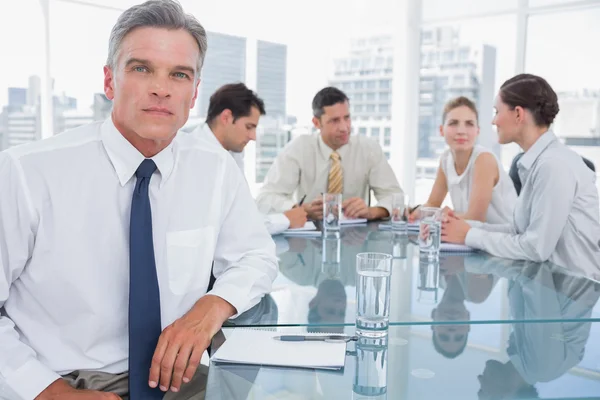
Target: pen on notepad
(301, 200)
(313, 338)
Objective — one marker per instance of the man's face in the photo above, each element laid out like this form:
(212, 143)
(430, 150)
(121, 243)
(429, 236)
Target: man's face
(335, 125)
(240, 132)
(154, 85)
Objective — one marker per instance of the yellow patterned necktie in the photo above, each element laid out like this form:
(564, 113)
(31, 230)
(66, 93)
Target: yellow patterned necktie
(336, 181)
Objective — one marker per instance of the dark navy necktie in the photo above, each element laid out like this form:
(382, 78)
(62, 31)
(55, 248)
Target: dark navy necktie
(144, 297)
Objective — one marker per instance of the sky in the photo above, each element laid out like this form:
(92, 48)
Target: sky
(560, 46)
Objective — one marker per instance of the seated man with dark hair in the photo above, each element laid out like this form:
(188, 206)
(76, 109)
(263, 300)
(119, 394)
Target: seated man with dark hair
(331, 162)
(232, 119)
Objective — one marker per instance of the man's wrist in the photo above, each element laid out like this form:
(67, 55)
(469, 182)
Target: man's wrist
(221, 307)
(378, 213)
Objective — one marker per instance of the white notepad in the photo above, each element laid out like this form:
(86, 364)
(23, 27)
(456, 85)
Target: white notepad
(352, 221)
(309, 229)
(455, 248)
(257, 347)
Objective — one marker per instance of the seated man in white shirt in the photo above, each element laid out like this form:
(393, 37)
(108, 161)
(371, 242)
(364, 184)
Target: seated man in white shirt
(231, 121)
(108, 234)
(330, 162)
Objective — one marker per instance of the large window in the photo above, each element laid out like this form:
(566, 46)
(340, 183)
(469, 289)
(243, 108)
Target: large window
(567, 58)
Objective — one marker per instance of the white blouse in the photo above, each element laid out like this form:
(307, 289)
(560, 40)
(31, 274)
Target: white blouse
(504, 195)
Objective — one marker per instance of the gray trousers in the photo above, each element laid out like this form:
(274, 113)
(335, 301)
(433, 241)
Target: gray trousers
(119, 384)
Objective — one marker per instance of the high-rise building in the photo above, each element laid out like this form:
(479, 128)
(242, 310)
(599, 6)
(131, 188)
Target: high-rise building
(448, 69)
(271, 76)
(20, 126)
(271, 80)
(17, 97)
(365, 75)
(225, 62)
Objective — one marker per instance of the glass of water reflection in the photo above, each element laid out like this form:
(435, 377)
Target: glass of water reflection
(373, 293)
(332, 213)
(430, 231)
(371, 368)
(399, 214)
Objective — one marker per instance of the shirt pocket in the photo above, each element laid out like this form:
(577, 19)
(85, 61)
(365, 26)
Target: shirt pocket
(189, 259)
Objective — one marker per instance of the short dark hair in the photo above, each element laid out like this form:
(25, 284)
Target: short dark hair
(460, 101)
(532, 93)
(235, 97)
(444, 352)
(327, 97)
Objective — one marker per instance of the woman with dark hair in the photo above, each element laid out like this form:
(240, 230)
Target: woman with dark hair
(556, 216)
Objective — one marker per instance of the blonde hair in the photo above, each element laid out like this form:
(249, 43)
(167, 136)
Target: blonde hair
(459, 102)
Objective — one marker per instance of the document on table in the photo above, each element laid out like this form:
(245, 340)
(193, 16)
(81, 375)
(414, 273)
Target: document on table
(257, 347)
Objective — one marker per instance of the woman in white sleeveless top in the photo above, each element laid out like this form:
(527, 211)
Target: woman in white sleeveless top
(479, 187)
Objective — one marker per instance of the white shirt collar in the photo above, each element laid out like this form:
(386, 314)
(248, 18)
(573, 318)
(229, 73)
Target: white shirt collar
(536, 150)
(126, 159)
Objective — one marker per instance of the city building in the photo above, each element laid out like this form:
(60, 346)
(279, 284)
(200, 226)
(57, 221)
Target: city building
(448, 69)
(225, 62)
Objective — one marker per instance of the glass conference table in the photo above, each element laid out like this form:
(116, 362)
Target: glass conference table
(469, 327)
(315, 286)
(485, 361)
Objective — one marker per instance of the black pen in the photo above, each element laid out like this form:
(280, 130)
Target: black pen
(301, 200)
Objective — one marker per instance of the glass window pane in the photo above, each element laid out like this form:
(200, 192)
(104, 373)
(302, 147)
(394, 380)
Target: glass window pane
(78, 81)
(440, 9)
(22, 32)
(564, 58)
(470, 58)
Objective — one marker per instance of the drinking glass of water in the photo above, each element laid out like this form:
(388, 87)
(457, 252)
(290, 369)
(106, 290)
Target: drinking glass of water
(332, 213)
(373, 293)
(399, 214)
(430, 227)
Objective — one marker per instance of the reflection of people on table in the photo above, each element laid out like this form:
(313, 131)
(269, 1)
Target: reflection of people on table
(302, 262)
(328, 307)
(459, 286)
(539, 352)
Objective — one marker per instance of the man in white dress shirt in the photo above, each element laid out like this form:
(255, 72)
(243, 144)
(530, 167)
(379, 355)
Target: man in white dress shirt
(331, 162)
(108, 234)
(231, 121)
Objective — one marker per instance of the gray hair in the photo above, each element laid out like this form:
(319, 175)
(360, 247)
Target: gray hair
(166, 14)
